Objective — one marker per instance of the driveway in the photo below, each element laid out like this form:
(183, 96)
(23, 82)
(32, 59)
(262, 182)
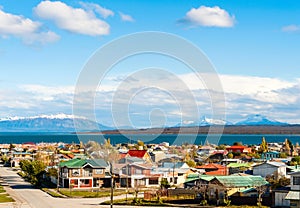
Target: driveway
(27, 196)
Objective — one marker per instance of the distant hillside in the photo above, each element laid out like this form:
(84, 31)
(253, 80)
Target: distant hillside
(254, 120)
(232, 129)
(49, 123)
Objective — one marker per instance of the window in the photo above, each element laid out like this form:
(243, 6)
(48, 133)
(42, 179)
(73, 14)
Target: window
(75, 172)
(138, 171)
(99, 171)
(88, 172)
(296, 180)
(153, 181)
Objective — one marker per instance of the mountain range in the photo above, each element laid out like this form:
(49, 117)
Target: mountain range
(65, 123)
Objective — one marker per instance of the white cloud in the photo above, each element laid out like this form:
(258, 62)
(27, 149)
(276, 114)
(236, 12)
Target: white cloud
(98, 9)
(244, 95)
(209, 17)
(26, 29)
(126, 17)
(291, 28)
(75, 20)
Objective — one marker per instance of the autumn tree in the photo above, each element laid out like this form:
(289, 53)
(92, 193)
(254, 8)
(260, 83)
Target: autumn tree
(288, 147)
(263, 146)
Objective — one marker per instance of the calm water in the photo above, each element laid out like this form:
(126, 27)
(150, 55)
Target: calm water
(171, 138)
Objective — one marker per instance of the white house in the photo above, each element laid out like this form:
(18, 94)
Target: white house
(294, 193)
(270, 168)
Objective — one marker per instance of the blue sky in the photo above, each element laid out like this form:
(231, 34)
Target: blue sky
(45, 44)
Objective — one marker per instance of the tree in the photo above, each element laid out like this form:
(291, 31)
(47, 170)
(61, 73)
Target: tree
(221, 147)
(164, 183)
(33, 170)
(191, 163)
(282, 155)
(263, 146)
(288, 147)
(295, 160)
(261, 188)
(230, 155)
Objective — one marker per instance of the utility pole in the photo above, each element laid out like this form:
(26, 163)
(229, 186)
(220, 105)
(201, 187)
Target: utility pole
(111, 186)
(126, 177)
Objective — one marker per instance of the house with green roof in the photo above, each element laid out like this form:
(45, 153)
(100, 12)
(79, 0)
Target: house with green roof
(217, 188)
(84, 173)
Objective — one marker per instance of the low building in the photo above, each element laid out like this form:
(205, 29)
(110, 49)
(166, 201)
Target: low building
(294, 194)
(270, 168)
(84, 173)
(239, 149)
(213, 169)
(270, 155)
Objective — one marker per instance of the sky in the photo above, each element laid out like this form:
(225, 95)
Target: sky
(254, 47)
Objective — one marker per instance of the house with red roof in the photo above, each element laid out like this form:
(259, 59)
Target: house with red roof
(239, 149)
(143, 154)
(213, 169)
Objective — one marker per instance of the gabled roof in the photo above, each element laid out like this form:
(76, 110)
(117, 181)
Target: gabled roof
(276, 164)
(173, 165)
(238, 165)
(241, 181)
(78, 163)
(211, 166)
(216, 172)
(137, 153)
(237, 147)
(293, 195)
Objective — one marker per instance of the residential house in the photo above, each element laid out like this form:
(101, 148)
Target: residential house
(218, 188)
(279, 197)
(270, 155)
(213, 169)
(294, 194)
(270, 168)
(206, 150)
(137, 175)
(239, 149)
(238, 168)
(18, 156)
(174, 172)
(140, 154)
(84, 173)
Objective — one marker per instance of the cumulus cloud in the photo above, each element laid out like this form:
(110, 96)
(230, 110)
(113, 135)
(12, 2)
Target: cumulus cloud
(209, 17)
(291, 28)
(273, 97)
(98, 9)
(75, 20)
(26, 29)
(126, 17)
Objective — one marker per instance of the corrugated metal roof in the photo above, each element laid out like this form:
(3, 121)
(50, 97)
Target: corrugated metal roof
(78, 163)
(293, 195)
(241, 181)
(238, 165)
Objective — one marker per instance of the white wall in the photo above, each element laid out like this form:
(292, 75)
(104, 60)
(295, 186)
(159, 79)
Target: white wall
(280, 200)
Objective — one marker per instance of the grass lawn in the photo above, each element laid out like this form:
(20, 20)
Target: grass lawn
(130, 201)
(52, 192)
(89, 193)
(2, 189)
(5, 198)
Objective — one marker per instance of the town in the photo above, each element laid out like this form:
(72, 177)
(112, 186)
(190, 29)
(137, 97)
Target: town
(267, 174)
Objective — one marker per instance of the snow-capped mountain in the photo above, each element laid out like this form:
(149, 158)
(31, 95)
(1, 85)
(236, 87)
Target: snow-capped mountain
(258, 119)
(204, 121)
(49, 123)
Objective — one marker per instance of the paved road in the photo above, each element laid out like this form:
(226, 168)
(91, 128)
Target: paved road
(28, 197)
